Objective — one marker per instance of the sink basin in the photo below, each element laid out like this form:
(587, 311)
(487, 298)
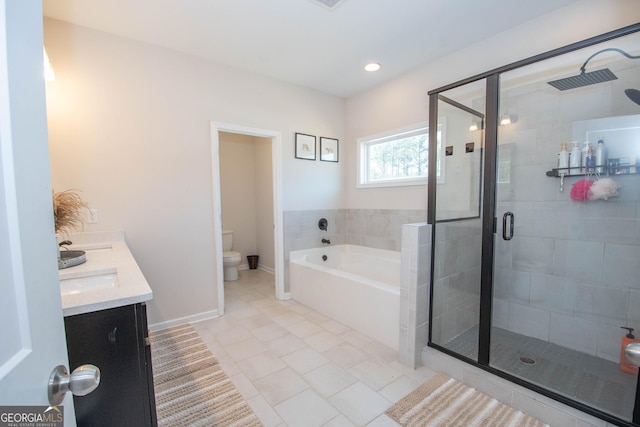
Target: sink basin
(92, 248)
(69, 258)
(88, 283)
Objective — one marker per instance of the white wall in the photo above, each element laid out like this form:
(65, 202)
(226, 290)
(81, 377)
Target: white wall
(264, 203)
(404, 101)
(129, 127)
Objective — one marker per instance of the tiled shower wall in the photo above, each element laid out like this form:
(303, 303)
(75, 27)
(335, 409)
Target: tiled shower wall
(456, 278)
(374, 228)
(571, 274)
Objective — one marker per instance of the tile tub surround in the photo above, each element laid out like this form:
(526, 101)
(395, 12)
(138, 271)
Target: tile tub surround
(373, 228)
(414, 292)
(105, 252)
(380, 228)
(301, 231)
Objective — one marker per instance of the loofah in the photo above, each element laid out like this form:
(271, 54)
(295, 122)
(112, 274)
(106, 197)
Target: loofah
(580, 190)
(603, 189)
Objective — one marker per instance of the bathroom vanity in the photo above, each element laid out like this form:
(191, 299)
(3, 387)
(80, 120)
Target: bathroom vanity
(103, 302)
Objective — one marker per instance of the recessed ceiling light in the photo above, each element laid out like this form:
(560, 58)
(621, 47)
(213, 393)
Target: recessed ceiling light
(373, 66)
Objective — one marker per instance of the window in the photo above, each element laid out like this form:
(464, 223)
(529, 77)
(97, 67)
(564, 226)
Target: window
(398, 158)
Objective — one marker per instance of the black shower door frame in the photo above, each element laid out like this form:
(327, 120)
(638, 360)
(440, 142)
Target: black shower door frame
(489, 217)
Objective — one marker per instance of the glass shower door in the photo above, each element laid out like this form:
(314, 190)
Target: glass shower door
(458, 221)
(534, 277)
(566, 262)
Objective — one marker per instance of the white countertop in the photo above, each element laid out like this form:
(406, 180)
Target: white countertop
(106, 253)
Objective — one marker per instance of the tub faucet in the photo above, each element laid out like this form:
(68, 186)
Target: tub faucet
(327, 241)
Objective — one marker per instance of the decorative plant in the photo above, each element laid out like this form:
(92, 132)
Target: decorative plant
(67, 211)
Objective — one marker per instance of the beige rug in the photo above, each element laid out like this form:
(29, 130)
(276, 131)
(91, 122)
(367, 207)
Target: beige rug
(191, 388)
(444, 402)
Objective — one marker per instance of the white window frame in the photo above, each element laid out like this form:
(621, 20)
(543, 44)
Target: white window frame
(363, 160)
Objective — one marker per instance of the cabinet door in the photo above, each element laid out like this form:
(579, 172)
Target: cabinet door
(147, 370)
(111, 340)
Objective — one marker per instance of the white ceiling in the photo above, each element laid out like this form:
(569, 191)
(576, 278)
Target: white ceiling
(302, 43)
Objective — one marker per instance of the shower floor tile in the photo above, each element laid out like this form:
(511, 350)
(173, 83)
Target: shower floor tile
(596, 382)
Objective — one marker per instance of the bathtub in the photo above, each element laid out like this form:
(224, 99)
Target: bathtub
(355, 285)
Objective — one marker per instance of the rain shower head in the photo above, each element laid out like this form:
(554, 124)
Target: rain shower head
(633, 94)
(590, 78)
(584, 79)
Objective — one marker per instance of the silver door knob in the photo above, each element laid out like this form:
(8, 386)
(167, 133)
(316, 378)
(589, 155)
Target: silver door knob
(83, 380)
(632, 352)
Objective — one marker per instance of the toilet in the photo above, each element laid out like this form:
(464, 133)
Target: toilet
(230, 259)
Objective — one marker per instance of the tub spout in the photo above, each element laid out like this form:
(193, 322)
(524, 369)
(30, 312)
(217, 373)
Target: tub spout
(327, 241)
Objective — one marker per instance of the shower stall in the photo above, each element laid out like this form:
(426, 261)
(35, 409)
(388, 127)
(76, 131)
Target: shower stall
(536, 253)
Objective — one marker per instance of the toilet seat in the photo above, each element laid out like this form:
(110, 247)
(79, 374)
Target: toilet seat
(232, 256)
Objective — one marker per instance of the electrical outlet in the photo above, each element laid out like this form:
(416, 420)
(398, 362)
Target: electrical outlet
(92, 216)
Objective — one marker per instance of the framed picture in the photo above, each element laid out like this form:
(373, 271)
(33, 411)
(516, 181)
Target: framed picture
(328, 149)
(305, 146)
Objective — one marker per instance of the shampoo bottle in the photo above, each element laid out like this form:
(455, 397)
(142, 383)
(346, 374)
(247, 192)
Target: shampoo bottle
(625, 365)
(563, 159)
(601, 157)
(575, 159)
(585, 151)
(589, 161)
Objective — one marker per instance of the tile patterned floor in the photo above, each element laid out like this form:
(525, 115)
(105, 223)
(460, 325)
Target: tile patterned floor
(597, 382)
(299, 368)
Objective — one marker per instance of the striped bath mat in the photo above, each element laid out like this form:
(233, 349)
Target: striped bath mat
(444, 402)
(190, 386)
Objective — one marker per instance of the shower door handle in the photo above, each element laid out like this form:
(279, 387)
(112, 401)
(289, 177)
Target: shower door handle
(507, 217)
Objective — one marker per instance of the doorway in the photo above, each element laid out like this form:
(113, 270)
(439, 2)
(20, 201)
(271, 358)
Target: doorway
(275, 139)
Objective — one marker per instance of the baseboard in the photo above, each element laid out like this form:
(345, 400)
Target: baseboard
(260, 267)
(286, 296)
(267, 269)
(187, 319)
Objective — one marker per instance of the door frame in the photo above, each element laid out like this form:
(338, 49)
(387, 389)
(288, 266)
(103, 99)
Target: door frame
(276, 167)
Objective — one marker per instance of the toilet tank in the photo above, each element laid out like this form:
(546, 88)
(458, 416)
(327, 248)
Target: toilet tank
(227, 240)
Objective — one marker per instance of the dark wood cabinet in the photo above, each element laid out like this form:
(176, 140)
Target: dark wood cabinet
(116, 341)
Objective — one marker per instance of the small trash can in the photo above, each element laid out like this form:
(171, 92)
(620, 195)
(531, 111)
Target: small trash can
(253, 261)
